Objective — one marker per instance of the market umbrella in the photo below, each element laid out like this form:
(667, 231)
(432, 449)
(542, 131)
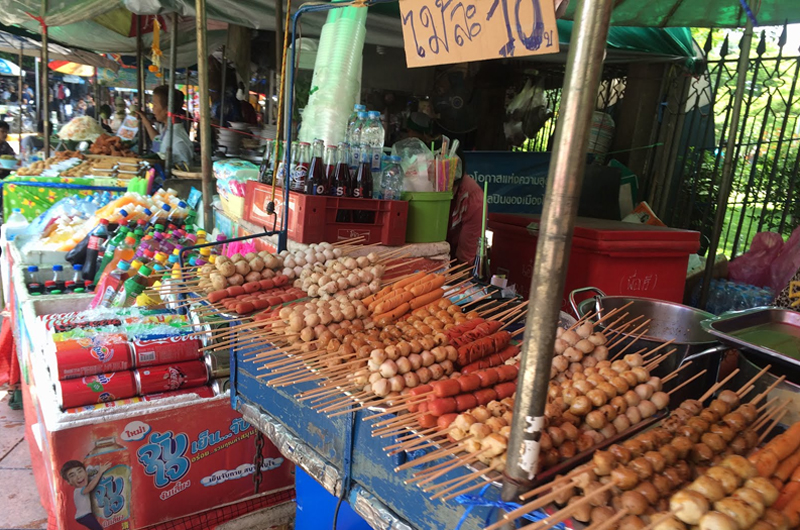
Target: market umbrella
(70, 68)
(8, 68)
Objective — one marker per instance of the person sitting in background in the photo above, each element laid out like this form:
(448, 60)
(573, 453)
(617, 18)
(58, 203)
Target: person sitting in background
(248, 112)
(34, 143)
(182, 147)
(5, 148)
(466, 210)
(105, 115)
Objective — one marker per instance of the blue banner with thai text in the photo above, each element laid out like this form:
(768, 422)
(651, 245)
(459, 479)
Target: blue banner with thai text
(517, 180)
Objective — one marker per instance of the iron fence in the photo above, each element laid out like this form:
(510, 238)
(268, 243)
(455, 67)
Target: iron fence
(765, 195)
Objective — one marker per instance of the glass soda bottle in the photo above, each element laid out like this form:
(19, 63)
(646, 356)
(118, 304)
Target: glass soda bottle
(362, 189)
(317, 183)
(340, 186)
(330, 165)
(265, 172)
(300, 163)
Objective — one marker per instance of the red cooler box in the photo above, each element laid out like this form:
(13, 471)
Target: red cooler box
(618, 258)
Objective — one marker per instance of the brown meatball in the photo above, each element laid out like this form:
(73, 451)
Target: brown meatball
(698, 424)
(636, 447)
(634, 502)
(649, 439)
(669, 453)
(621, 454)
(736, 421)
(656, 460)
(683, 445)
(601, 513)
(648, 490)
(688, 506)
(702, 454)
(692, 406)
(749, 411)
(688, 432)
(662, 484)
(642, 467)
(600, 499)
(724, 431)
(624, 477)
(708, 487)
(714, 441)
(631, 522)
(730, 397)
(673, 476)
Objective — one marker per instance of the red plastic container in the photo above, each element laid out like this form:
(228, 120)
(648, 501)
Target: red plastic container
(312, 218)
(618, 258)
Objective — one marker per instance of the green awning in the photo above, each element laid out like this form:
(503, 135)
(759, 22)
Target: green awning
(704, 13)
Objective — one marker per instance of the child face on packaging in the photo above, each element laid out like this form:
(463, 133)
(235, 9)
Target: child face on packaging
(77, 477)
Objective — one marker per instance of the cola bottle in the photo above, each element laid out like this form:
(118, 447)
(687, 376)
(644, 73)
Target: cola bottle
(362, 189)
(317, 181)
(340, 185)
(300, 163)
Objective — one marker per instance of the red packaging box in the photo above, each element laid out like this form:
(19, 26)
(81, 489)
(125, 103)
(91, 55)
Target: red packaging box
(618, 258)
(312, 218)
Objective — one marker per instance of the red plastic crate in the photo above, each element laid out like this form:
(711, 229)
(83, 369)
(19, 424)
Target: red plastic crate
(312, 218)
(618, 258)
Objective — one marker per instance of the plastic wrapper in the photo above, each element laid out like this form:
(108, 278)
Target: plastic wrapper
(753, 267)
(232, 176)
(81, 129)
(787, 263)
(417, 162)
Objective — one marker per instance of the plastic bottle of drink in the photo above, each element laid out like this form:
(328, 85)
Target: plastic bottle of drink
(178, 214)
(160, 215)
(124, 252)
(351, 121)
(58, 277)
(15, 224)
(109, 249)
(355, 142)
(97, 240)
(340, 186)
(300, 163)
(392, 180)
(32, 280)
(105, 291)
(374, 136)
(77, 276)
(132, 288)
(317, 182)
(49, 287)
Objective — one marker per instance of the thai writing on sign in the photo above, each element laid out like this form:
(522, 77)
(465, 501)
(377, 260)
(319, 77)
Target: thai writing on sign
(455, 31)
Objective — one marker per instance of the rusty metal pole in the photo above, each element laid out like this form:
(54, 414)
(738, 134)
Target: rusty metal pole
(584, 66)
(173, 52)
(728, 162)
(204, 130)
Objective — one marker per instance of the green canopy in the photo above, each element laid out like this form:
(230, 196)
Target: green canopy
(703, 13)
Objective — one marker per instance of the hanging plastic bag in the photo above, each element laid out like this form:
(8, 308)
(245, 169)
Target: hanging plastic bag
(753, 267)
(787, 264)
(417, 162)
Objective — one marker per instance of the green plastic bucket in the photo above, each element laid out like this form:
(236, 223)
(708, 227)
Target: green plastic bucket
(428, 215)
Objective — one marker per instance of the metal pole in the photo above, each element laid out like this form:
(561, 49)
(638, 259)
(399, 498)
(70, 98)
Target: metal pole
(45, 92)
(727, 164)
(140, 78)
(584, 66)
(97, 97)
(19, 93)
(204, 131)
(173, 52)
(222, 89)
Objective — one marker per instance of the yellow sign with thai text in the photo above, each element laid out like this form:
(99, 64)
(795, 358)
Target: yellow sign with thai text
(457, 31)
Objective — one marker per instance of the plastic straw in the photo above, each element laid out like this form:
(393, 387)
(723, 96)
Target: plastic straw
(483, 219)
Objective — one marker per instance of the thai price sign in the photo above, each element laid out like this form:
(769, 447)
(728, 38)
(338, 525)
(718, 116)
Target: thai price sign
(456, 31)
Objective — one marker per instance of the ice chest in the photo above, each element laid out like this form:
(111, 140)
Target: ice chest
(312, 218)
(618, 258)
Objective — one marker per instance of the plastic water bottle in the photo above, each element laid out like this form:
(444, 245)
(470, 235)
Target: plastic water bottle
(351, 121)
(356, 141)
(374, 135)
(15, 224)
(392, 180)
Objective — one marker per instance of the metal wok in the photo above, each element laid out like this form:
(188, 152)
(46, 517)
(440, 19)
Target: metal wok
(669, 321)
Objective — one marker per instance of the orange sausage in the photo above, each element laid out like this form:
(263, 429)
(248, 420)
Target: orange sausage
(393, 302)
(427, 298)
(218, 296)
(394, 314)
(426, 278)
(787, 467)
(788, 492)
(406, 281)
(426, 287)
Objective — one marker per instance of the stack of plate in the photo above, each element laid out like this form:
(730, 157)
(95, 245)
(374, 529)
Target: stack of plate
(230, 140)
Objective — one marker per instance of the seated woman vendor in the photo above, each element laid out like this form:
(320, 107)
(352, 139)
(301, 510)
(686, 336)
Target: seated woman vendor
(182, 148)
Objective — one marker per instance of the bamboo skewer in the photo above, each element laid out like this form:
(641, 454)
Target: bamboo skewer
(753, 380)
(769, 389)
(466, 490)
(453, 464)
(675, 373)
(533, 505)
(775, 422)
(710, 392)
(563, 513)
(695, 376)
